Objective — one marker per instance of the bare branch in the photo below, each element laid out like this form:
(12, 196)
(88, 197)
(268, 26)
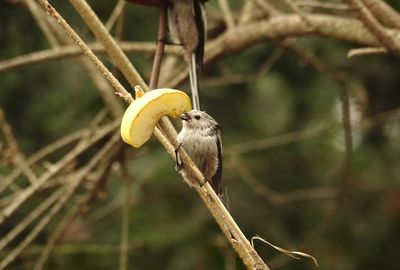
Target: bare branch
(367, 51)
(69, 190)
(384, 13)
(118, 9)
(29, 191)
(101, 132)
(86, 50)
(124, 245)
(162, 35)
(23, 224)
(73, 51)
(79, 208)
(267, 7)
(42, 22)
(320, 4)
(227, 13)
(15, 155)
(117, 55)
(368, 19)
(253, 145)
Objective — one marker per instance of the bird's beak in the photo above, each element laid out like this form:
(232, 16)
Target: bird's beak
(185, 117)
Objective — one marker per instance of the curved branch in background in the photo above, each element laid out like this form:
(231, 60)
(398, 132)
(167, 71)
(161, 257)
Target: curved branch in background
(278, 27)
(282, 26)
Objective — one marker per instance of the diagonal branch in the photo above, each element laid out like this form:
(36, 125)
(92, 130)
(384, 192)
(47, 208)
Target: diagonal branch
(383, 12)
(29, 191)
(158, 56)
(85, 48)
(373, 25)
(118, 57)
(67, 193)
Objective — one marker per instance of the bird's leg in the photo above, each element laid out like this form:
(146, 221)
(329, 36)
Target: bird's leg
(163, 40)
(179, 163)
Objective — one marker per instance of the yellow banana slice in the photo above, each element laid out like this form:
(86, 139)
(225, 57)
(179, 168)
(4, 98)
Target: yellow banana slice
(146, 110)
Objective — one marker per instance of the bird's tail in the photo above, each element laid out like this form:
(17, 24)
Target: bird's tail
(194, 82)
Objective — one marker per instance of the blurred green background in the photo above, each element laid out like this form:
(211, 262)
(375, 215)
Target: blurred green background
(286, 193)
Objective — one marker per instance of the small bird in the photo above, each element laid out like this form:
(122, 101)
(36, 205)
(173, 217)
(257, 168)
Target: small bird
(201, 138)
(187, 27)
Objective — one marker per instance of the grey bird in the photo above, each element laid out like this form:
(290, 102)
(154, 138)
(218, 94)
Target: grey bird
(187, 27)
(201, 138)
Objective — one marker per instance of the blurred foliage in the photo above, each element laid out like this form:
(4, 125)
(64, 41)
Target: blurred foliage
(169, 226)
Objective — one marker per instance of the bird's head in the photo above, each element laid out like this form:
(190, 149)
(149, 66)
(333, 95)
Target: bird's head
(198, 120)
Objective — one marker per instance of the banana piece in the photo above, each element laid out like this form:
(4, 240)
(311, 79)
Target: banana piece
(146, 110)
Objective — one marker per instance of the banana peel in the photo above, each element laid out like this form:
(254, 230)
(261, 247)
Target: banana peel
(146, 110)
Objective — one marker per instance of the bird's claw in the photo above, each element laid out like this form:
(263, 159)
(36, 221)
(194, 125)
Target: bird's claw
(204, 182)
(166, 41)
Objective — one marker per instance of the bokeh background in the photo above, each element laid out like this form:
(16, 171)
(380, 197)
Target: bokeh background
(289, 173)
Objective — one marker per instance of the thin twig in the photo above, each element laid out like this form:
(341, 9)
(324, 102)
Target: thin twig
(124, 245)
(279, 140)
(69, 190)
(117, 202)
(11, 256)
(86, 50)
(29, 191)
(37, 14)
(120, 24)
(116, 54)
(270, 62)
(101, 132)
(23, 224)
(64, 249)
(381, 118)
(366, 52)
(52, 239)
(118, 9)
(293, 6)
(320, 4)
(246, 12)
(100, 82)
(261, 189)
(73, 213)
(227, 13)
(16, 156)
(267, 7)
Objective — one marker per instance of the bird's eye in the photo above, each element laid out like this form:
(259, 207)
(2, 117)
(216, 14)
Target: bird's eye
(197, 117)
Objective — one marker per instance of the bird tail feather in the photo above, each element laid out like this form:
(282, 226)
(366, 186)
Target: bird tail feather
(194, 83)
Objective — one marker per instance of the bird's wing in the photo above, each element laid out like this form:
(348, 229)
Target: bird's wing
(217, 178)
